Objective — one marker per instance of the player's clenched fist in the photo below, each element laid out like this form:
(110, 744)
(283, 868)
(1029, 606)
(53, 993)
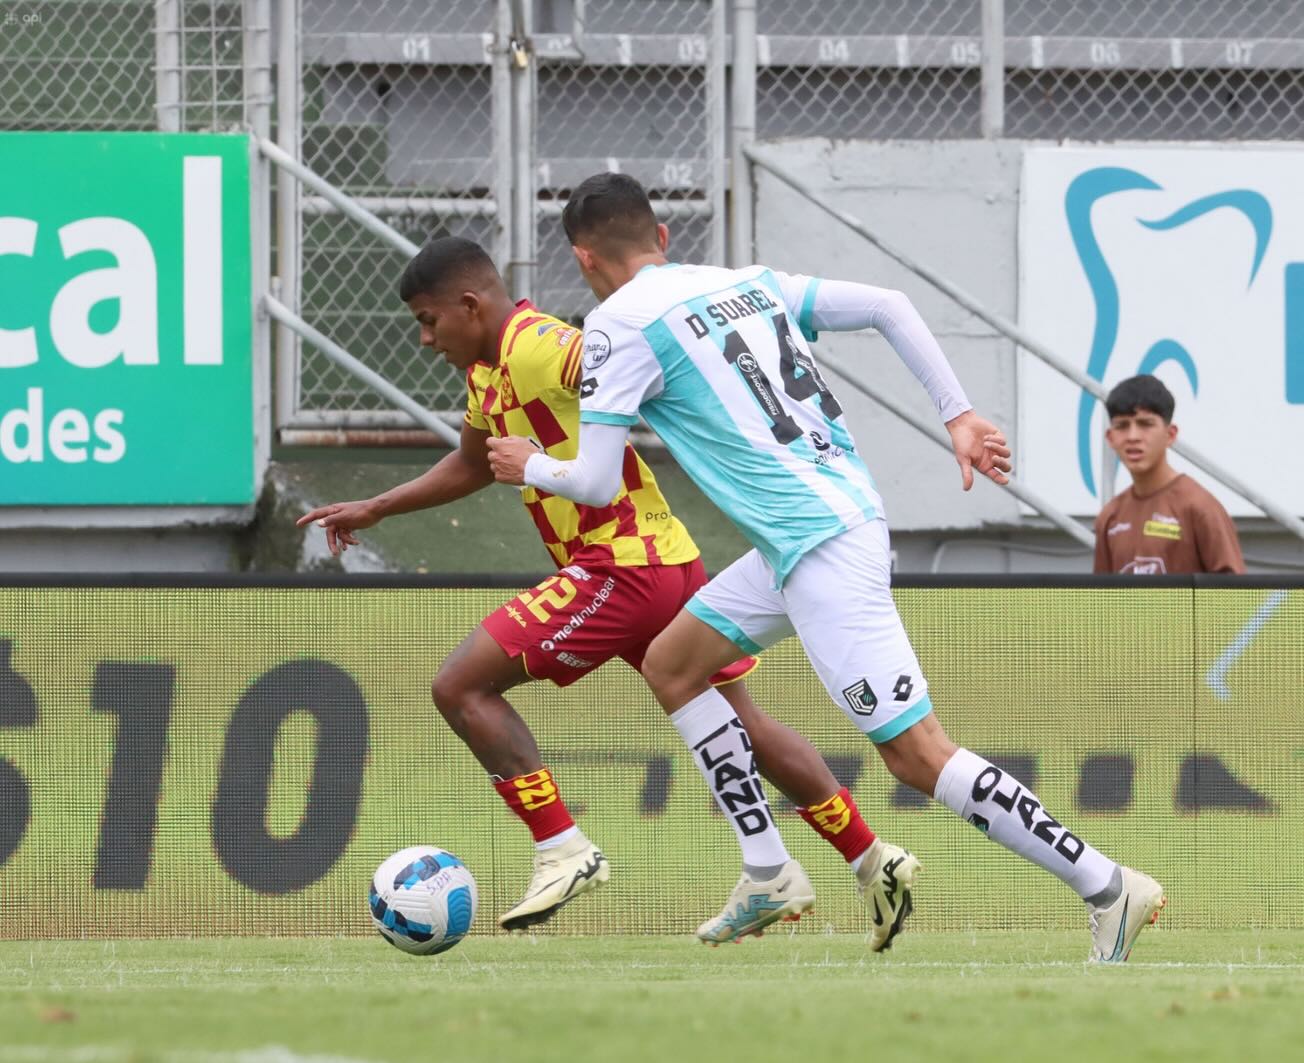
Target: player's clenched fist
(507, 458)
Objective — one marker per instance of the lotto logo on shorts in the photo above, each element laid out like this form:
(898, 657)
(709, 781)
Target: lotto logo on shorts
(833, 815)
(861, 698)
(536, 789)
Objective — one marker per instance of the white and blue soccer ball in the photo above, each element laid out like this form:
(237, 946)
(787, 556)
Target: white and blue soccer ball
(423, 900)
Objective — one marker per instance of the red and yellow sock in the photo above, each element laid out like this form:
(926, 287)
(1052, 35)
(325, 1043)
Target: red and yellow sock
(838, 822)
(537, 802)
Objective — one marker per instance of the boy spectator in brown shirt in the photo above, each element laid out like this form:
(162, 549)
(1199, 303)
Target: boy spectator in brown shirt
(1164, 522)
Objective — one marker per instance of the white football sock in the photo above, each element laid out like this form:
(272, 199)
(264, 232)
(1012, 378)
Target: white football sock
(556, 840)
(723, 754)
(1007, 811)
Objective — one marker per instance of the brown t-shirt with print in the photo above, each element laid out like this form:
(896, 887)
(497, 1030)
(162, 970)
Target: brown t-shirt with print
(1179, 528)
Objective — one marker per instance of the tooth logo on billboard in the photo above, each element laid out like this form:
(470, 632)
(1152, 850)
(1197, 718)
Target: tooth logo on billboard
(125, 320)
(1186, 263)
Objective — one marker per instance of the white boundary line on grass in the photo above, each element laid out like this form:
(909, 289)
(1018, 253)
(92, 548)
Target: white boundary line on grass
(114, 1053)
(1037, 965)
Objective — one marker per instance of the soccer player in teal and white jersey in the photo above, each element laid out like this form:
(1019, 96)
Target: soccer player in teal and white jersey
(717, 362)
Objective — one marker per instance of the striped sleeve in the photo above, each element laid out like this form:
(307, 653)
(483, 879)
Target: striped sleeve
(474, 411)
(571, 362)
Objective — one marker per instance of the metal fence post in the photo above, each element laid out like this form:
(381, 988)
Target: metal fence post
(289, 221)
(717, 80)
(742, 133)
(167, 64)
(257, 40)
(524, 213)
(501, 92)
(993, 68)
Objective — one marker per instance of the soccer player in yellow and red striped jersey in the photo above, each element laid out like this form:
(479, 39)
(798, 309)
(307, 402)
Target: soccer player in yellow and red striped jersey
(532, 391)
(625, 569)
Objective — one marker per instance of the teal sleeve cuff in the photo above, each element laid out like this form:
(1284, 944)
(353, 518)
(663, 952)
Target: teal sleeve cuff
(804, 319)
(601, 417)
(904, 722)
(712, 618)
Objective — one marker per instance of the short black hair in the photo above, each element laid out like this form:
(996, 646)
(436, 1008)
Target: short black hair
(443, 261)
(613, 211)
(1144, 392)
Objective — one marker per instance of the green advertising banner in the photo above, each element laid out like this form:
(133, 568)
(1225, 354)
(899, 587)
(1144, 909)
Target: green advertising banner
(192, 761)
(126, 371)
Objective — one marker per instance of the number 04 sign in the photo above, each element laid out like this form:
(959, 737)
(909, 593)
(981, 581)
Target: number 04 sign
(125, 320)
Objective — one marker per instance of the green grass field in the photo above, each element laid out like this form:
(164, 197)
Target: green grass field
(1001, 996)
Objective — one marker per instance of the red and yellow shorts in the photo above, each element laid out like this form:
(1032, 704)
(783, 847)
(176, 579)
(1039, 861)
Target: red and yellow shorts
(585, 615)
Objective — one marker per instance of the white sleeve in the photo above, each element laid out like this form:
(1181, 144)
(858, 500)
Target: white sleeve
(593, 477)
(799, 292)
(619, 372)
(845, 306)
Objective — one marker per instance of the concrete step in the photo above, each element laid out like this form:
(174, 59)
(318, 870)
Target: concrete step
(487, 532)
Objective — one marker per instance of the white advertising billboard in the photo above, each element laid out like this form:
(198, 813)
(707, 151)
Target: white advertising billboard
(1183, 262)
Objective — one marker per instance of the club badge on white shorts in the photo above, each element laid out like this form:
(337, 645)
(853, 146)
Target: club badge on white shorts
(861, 698)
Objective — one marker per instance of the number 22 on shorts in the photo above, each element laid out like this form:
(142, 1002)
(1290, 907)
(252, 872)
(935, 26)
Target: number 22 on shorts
(556, 592)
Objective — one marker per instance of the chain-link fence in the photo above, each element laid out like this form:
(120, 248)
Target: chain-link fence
(477, 117)
(844, 68)
(634, 85)
(398, 112)
(1159, 69)
(121, 65)
(627, 87)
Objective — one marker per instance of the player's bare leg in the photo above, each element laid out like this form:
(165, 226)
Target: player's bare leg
(885, 873)
(786, 759)
(468, 691)
(917, 756)
(1120, 902)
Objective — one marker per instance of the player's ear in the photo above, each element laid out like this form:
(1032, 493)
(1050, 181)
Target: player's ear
(471, 301)
(663, 236)
(1172, 434)
(583, 256)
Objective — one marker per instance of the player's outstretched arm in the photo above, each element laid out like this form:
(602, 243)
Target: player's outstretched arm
(979, 445)
(846, 306)
(456, 475)
(842, 306)
(592, 478)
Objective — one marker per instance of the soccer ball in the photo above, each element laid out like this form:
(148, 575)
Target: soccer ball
(423, 900)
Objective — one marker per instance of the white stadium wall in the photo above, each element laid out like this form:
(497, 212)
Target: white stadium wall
(954, 206)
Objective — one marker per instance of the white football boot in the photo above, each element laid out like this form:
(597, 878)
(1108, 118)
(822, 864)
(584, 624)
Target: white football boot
(560, 875)
(753, 905)
(1114, 929)
(887, 875)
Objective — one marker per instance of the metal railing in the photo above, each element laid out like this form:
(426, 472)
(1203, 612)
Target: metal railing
(1013, 332)
(389, 120)
(294, 171)
(522, 55)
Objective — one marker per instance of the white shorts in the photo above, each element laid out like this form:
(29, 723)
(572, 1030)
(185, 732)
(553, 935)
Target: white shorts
(838, 601)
